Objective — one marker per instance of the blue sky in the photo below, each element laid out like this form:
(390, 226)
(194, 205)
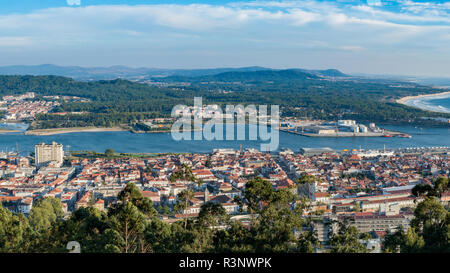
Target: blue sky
(356, 36)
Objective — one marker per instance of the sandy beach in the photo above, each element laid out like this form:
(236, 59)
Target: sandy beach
(5, 131)
(57, 131)
(419, 101)
(437, 95)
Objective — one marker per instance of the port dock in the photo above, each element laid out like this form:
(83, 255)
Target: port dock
(347, 134)
(342, 128)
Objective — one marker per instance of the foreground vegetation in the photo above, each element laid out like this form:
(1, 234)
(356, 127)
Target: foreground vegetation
(132, 226)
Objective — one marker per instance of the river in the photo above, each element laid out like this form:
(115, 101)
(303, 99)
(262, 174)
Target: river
(127, 142)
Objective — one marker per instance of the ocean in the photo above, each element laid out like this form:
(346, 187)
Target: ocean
(438, 103)
(441, 103)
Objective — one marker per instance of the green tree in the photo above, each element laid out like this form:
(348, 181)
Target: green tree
(160, 237)
(236, 238)
(257, 192)
(401, 242)
(356, 206)
(441, 185)
(307, 242)
(129, 218)
(166, 210)
(44, 218)
(12, 231)
(212, 214)
(429, 231)
(208, 163)
(184, 172)
(184, 198)
(109, 152)
(431, 220)
(159, 209)
(346, 240)
(436, 189)
(45, 213)
(199, 182)
(131, 193)
(306, 179)
(129, 222)
(421, 190)
(86, 225)
(277, 222)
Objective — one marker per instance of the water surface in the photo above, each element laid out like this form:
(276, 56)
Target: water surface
(127, 142)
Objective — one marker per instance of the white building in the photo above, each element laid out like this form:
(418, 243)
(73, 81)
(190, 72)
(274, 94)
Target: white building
(46, 153)
(346, 122)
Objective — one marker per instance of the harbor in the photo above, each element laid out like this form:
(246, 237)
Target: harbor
(341, 128)
(127, 142)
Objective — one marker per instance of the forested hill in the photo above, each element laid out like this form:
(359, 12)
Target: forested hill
(300, 94)
(105, 96)
(329, 73)
(111, 90)
(261, 76)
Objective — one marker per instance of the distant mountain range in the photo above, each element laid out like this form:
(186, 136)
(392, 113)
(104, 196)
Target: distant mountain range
(261, 76)
(142, 74)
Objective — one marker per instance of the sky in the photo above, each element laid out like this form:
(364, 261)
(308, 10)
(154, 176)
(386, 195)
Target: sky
(398, 37)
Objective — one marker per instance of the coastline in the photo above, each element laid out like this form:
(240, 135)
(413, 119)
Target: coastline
(417, 101)
(6, 131)
(57, 131)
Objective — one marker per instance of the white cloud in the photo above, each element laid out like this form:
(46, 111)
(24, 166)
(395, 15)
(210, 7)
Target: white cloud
(89, 23)
(269, 26)
(374, 2)
(73, 2)
(353, 48)
(404, 17)
(200, 17)
(6, 41)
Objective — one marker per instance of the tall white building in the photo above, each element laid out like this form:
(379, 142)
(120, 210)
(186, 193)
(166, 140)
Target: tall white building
(46, 153)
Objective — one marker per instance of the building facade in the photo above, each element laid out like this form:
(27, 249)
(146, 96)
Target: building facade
(47, 153)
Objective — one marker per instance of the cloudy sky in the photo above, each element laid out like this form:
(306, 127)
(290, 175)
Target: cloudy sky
(356, 36)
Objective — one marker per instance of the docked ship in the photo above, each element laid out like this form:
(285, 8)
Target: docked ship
(373, 153)
(405, 136)
(6, 155)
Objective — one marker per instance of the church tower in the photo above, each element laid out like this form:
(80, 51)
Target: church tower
(206, 195)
